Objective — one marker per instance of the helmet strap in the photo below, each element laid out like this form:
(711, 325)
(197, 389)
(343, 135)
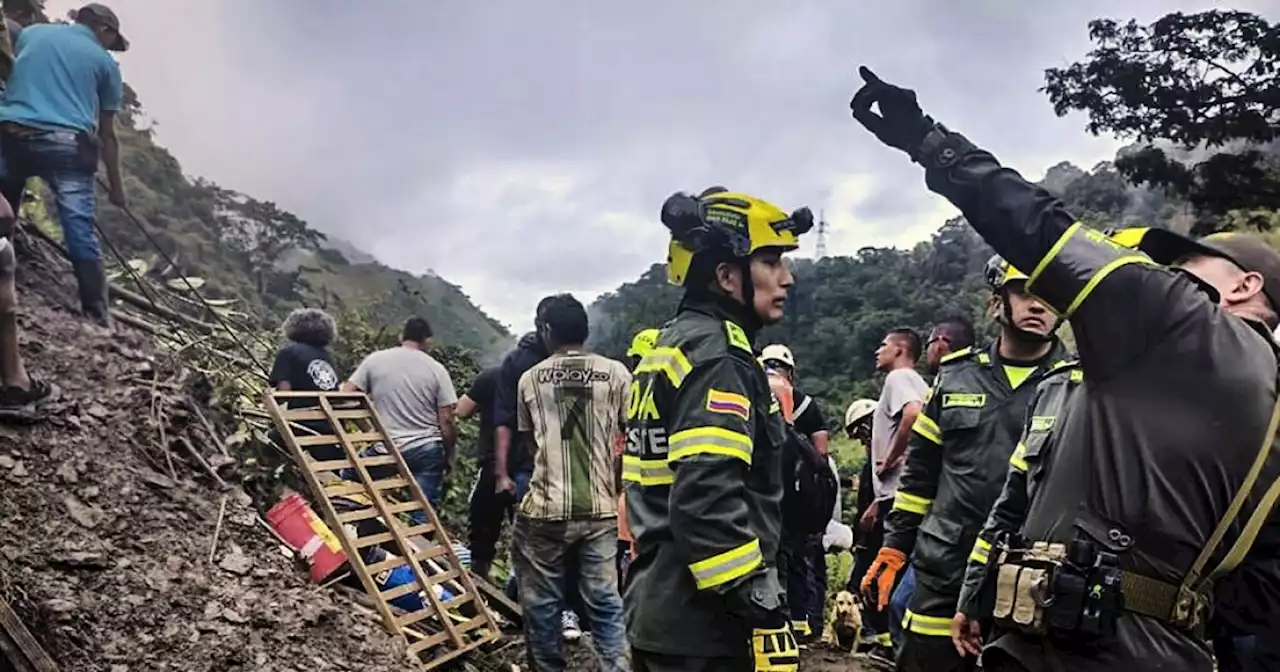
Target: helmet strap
(1005, 319)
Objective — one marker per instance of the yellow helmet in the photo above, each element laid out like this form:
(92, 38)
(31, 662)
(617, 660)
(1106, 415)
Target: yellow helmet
(643, 342)
(1000, 273)
(731, 223)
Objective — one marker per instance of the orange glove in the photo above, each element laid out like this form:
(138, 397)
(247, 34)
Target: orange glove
(884, 573)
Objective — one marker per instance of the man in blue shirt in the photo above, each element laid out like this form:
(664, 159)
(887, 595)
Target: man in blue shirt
(57, 116)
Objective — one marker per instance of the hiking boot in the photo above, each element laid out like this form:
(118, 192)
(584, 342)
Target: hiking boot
(569, 626)
(92, 280)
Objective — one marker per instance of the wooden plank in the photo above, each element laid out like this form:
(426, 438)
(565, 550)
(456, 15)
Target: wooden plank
(20, 647)
(498, 600)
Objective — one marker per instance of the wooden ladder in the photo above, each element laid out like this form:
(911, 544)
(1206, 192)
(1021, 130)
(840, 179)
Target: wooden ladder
(437, 633)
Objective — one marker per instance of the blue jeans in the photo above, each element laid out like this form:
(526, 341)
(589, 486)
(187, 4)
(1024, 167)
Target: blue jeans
(542, 550)
(56, 158)
(898, 604)
(426, 463)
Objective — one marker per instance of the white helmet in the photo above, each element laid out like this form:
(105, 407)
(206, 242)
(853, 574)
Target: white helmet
(778, 353)
(858, 410)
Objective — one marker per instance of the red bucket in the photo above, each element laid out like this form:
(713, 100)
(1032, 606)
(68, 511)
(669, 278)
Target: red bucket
(298, 525)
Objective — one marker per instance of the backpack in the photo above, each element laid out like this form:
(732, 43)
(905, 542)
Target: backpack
(810, 489)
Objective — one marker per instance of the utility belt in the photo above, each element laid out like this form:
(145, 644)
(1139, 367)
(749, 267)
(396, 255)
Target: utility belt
(1077, 591)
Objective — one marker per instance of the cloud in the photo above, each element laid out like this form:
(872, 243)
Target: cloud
(522, 148)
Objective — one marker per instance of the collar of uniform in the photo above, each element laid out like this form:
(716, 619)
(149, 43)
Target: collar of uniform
(722, 308)
(1056, 355)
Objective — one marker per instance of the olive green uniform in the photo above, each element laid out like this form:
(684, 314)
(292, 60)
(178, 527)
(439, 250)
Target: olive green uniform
(957, 457)
(1162, 434)
(703, 473)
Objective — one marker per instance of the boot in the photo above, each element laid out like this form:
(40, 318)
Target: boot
(92, 279)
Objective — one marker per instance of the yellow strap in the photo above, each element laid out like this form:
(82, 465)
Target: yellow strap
(1247, 536)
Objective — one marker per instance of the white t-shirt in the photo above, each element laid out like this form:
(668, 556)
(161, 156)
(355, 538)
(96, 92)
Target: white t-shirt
(901, 387)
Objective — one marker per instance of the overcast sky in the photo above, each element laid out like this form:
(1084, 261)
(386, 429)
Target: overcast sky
(522, 148)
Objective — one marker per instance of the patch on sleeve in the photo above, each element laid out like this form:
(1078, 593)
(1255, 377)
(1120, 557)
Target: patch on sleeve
(719, 401)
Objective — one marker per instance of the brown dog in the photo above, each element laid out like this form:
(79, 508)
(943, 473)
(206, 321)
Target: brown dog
(846, 621)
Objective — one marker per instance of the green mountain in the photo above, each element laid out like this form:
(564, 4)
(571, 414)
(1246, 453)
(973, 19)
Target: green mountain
(262, 261)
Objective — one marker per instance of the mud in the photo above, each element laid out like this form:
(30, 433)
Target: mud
(106, 553)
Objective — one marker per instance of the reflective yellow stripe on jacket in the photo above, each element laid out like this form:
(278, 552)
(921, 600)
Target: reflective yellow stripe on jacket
(929, 626)
(727, 566)
(647, 472)
(709, 441)
(1084, 257)
(926, 427)
(905, 501)
(666, 360)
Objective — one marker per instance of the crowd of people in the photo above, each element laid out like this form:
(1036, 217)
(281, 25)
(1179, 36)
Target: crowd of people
(1031, 507)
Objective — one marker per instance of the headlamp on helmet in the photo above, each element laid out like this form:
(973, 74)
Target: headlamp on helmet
(1000, 273)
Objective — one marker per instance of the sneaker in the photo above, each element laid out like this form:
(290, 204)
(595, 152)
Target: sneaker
(569, 626)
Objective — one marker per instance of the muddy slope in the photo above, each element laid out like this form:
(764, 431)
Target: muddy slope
(105, 555)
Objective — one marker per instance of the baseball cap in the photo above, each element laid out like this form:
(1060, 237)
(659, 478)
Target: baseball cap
(1246, 250)
(108, 18)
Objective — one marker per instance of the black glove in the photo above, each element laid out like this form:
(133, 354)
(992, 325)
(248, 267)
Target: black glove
(900, 123)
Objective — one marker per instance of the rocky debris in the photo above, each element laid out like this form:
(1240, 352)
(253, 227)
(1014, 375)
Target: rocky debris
(85, 516)
(236, 563)
(110, 567)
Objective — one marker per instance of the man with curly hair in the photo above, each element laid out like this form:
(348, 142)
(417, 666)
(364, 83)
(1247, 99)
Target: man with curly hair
(304, 364)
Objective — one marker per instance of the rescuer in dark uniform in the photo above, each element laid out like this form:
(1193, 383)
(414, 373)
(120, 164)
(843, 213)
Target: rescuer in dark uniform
(957, 457)
(1165, 451)
(703, 461)
(1027, 468)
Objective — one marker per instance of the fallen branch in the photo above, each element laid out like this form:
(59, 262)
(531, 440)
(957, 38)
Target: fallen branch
(204, 464)
(217, 529)
(208, 428)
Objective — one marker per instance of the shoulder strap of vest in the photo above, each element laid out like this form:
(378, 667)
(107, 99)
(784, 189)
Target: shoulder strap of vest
(1193, 586)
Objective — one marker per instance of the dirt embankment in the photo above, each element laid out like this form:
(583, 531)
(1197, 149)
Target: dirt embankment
(105, 553)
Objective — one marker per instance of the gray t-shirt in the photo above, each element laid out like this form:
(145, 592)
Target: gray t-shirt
(408, 387)
(901, 387)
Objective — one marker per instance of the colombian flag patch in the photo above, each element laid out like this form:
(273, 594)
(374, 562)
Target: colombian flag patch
(719, 401)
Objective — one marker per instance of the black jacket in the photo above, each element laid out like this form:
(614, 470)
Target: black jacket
(527, 353)
(1177, 399)
(703, 472)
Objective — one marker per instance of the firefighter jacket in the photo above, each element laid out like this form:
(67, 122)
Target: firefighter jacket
(703, 477)
(1169, 427)
(1023, 473)
(957, 457)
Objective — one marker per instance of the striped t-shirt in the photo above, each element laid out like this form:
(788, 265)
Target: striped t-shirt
(574, 404)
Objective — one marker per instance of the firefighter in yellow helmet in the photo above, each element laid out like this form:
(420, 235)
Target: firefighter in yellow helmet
(703, 460)
(641, 344)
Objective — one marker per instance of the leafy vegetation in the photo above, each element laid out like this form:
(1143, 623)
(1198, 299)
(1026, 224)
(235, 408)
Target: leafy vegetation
(1202, 93)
